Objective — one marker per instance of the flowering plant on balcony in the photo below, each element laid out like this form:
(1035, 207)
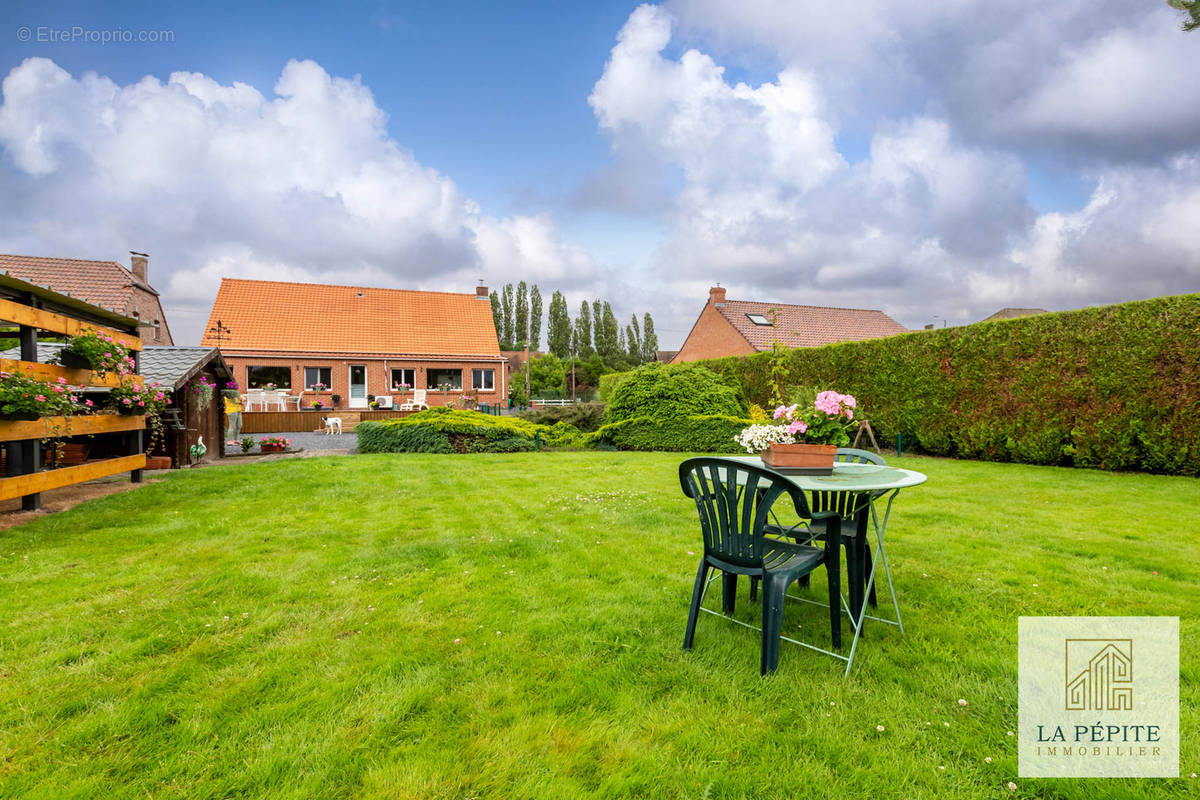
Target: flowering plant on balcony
(445, 387)
(317, 404)
(150, 399)
(97, 351)
(318, 387)
(400, 387)
(26, 397)
(827, 421)
(203, 389)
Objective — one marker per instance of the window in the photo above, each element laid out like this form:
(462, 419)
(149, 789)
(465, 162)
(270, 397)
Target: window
(315, 375)
(258, 377)
(759, 319)
(449, 379)
(483, 379)
(404, 379)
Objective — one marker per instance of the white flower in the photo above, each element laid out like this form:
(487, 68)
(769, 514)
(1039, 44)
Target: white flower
(962, 702)
(879, 728)
(987, 760)
(1012, 787)
(755, 438)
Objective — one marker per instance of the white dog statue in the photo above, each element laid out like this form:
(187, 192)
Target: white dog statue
(332, 425)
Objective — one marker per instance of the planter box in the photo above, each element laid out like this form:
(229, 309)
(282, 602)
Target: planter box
(816, 459)
(272, 448)
(158, 462)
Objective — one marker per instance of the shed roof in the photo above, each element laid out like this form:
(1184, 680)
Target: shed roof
(175, 366)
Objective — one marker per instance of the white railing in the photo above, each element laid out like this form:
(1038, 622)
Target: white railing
(552, 402)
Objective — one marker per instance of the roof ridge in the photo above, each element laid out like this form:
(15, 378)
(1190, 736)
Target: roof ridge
(57, 258)
(804, 305)
(345, 286)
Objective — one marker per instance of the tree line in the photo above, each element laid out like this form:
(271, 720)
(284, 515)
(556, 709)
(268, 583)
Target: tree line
(595, 331)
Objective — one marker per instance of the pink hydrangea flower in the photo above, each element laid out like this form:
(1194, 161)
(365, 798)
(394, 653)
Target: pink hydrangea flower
(127, 401)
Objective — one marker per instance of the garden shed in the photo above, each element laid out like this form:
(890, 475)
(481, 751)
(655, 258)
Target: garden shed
(195, 376)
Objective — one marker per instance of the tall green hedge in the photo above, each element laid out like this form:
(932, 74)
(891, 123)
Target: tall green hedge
(1116, 387)
(700, 433)
(667, 392)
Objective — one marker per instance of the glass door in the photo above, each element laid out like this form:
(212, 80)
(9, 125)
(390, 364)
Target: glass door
(358, 386)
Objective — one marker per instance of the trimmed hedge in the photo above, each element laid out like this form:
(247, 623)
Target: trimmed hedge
(587, 417)
(656, 390)
(611, 381)
(1115, 387)
(703, 433)
(446, 430)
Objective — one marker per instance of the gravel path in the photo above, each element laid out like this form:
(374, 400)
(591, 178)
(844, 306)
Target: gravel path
(344, 442)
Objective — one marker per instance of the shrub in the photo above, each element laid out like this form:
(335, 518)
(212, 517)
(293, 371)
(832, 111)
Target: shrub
(687, 390)
(1116, 387)
(699, 433)
(446, 430)
(587, 417)
(611, 381)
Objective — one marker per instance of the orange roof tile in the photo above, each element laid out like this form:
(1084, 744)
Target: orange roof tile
(807, 326)
(102, 283)
(316, 318)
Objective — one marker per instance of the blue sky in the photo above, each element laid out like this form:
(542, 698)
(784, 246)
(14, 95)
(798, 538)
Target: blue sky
(924, 160)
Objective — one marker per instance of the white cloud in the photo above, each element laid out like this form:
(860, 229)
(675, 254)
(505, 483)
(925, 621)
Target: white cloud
(217, 180)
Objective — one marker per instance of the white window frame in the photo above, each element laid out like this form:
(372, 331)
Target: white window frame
(483, 372)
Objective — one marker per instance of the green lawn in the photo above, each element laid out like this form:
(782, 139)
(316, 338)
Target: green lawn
(510, 626)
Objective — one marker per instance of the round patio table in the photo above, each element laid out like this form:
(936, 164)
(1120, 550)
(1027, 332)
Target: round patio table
(865, 484)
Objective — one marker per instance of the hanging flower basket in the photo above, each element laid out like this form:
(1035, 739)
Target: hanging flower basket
(72, 360)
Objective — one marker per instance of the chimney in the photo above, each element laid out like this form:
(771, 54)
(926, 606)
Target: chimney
(139, 266)
(716, 295)
(929, 327)
(481, 293)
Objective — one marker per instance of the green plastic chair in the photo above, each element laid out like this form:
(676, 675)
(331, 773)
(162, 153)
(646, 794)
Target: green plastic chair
(733, 500)
(815, 531)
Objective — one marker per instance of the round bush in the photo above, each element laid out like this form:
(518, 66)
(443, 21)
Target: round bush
(672, 392)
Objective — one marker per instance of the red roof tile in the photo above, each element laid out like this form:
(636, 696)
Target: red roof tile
(807, 326)
(316, 318)
(102, 283)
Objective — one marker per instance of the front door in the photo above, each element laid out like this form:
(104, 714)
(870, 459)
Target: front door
(358, 386)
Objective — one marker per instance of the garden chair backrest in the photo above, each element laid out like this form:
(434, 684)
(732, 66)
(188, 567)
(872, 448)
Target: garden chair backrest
(733, 499)
(843, 502)
(419, 396)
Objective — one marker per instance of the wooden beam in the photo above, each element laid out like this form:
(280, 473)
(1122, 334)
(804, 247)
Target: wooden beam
(22, 485)
(70, 426)
(57, 323)
(52, 372)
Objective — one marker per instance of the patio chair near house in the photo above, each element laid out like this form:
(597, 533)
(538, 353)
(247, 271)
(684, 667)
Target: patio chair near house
(417, 403)
(255, 400)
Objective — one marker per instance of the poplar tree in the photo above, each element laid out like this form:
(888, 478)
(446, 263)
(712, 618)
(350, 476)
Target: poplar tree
(535, 317)
(506, 304)
(497, 320)
(597, 326)
(583, 332)
(649, 339)
(633, 336)
(558, 328)
(521, 331)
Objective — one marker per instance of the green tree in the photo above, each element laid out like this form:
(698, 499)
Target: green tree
(497, 319)
(633, 336)
(583, 332)
(649, 339)
(597, 325)
(1192, 9)
(547, 376)
(558, 327)
(608, 336)
(506, 304)
(535, 317)
(521, 331)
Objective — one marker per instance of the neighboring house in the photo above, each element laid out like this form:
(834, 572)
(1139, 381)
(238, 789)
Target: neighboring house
(742, 327)
(102, 283)
(357, 340)
(180, 369)
(1013, 313)
(665, 356)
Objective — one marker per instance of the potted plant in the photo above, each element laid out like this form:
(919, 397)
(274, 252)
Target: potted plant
(318, 405)
(97, 351)
(274, 444)
(203, 389)
(374, 404)
(335, 399)
(270, 387)
(318, 387)
(247, 444)
(803, 438)
(400, 388)
(24, 397)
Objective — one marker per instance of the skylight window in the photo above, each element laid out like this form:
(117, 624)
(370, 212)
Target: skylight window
(759, 319)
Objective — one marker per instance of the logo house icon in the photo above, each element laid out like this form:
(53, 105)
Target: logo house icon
(1099, 674)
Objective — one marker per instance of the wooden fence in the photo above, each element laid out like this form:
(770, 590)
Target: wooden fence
(298, 421)
(34, 309)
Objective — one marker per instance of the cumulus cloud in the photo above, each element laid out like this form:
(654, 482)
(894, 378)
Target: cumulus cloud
(935, 220)
(218, 180)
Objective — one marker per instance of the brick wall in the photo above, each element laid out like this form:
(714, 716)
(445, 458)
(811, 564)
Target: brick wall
(378, 376)
(145, 307)
(713, 336)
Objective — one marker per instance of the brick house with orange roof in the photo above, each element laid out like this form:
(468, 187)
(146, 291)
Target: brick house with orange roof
(742, 327)
(107, 284)
(358, 341)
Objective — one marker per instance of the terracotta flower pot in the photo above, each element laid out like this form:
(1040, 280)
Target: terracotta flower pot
(800, 456)
(272, 448)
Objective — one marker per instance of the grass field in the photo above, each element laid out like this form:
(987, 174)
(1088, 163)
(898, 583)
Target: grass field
(510, 626)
